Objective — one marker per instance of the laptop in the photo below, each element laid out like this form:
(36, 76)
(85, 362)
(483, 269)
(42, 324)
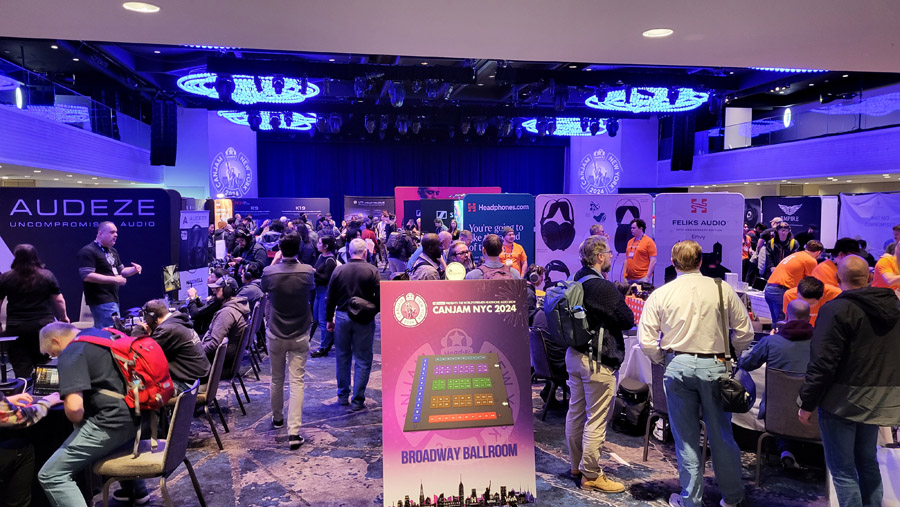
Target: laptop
(46, 380)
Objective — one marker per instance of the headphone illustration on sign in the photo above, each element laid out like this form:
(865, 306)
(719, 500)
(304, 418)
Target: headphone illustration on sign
(626, 211)
(558, 235)
(197, 247)
(556, 266)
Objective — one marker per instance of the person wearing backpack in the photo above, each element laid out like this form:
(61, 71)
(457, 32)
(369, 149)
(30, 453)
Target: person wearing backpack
(492, 268)
(103, 423)
(592, 380)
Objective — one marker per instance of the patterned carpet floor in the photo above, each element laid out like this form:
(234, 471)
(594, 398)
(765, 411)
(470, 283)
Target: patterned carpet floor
(340, 464)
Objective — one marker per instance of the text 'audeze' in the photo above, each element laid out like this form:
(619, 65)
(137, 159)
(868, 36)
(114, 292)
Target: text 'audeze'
(93, 207)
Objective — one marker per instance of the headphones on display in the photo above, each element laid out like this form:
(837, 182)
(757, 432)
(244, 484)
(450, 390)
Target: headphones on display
(558, 235)
(559, 267)
(197, 252)
(623, 226)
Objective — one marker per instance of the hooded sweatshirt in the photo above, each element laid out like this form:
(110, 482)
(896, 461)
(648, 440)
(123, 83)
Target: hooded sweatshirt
(181, 345)
(853, 371)
(229, 322)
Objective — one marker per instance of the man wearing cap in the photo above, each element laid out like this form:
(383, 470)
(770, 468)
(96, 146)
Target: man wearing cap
(777, 248)
(827, 270)
(788, 273)
(229, 322)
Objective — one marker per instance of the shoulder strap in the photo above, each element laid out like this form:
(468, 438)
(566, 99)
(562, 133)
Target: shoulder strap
(722, 320)
(586, 278)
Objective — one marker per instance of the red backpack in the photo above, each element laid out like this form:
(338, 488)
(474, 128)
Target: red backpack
(144, 367)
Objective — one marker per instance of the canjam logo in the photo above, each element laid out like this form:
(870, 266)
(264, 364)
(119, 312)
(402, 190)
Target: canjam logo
(410, 310)
(230, 173)
(600, 172)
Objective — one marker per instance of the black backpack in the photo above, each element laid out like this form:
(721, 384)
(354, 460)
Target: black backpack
(632, 407)
(395, 244)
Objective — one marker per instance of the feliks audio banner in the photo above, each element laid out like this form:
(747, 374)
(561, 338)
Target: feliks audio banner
(59, 221)
(457, 419)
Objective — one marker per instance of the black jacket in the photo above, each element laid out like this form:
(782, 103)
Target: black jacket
(181, 345)
(853, 368)
(201, 313)
(357, 278)
(255, 253)
(606, 307)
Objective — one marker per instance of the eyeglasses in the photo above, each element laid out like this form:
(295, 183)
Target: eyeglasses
(609, 252)
(464, 252)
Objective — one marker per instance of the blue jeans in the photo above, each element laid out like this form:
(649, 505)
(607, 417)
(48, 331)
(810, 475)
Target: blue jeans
(85, 445)
(326, 337)
(102, 314)
(851, 455)
(774, 295)
(691, 385)
(353, 340)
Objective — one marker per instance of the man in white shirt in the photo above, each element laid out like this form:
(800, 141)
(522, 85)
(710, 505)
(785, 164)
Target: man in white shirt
(680, 325)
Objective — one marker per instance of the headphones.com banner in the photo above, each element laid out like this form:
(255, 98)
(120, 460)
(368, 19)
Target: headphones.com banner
(485, 214)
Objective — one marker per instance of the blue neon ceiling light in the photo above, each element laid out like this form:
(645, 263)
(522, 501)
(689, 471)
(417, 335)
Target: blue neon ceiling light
(789, 70)
(648, 100)
(299, 121)
(61, 113)
(7, 83)
(245, 90)
(566, 127)
(879, 105)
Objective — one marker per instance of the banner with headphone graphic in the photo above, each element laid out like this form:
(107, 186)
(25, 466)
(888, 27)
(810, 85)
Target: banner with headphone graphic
(563, 221)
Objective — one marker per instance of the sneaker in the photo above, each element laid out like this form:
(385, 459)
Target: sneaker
(296, 441)
(602, 483)
(788, 460)
(343, 401)
(121, 496)
(319, 353)
(675, 500)
(723, 503)
(356, 407)
(277, 424)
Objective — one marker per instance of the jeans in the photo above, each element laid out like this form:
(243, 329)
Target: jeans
(292, 353)
(774, 295)
(851, 455)
(353, 340)
(326, 340)
(85, 445)
(102, 314)
(591, 396)
(691, 385)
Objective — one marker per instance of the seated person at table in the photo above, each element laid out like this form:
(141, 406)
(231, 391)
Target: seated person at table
(201, 312)
(229, 322)
(787, 350)
(812, 291)
(251, 283)
(17, 454)
(103, 423)
(180, 343)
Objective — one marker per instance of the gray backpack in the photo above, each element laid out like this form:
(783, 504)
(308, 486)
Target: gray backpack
(566, 316)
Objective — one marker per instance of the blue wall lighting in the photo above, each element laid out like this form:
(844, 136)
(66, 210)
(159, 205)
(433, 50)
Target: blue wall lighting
(648, 100)
(789, 70)
(246, 90)
(299, 121)
(7, 83)
(567, 127)
(62, 113)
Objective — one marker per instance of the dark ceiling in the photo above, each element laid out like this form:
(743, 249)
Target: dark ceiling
(444, 92)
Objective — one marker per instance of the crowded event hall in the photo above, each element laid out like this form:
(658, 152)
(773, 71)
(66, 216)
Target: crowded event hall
(407, 254)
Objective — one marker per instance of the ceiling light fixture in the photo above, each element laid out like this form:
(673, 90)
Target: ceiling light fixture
(75, 60)
(331, 59)
(54, 46)
(298, 121)
(20, 99)
(244, 90)
(658, 33)
(612, 127)
(156, 51)
(142, 7)
(647, 100)
(37, 171)
(789, 70)
(568, 127)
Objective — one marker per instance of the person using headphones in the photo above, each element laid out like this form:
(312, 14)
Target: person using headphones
(251, 288)
(175, 335)
(247, 250)
(229, 322)
(534, 282)
(201, 312)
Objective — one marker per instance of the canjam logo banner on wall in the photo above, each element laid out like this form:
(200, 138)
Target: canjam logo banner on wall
(489, 213)
(714, 220)
(59, 221)
(403, 194)
(870, 217)
(600, 172)
(563, 221)
(273, 208)
(799, 212)
(359, 205)
(458, 420)
(230, 174)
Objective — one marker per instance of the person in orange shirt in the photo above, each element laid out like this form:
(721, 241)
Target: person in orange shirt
(513, 255)
(826, 271)
(788, 273)
(814, 292)
(887, 269)
(641, 255)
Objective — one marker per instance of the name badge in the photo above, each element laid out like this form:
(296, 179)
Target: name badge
(631, 254)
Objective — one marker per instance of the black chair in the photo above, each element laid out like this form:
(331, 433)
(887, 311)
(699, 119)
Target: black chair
(542, 370)
(659, 409)
(232, 371)
(205, 397)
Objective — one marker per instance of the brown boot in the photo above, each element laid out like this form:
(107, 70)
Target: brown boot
(603, 484)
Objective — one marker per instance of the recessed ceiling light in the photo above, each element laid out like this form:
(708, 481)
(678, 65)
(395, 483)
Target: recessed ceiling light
(746, 183)
(142, 7)
(784, 181)
(656, 33)
(812, 84)
(4, 177)
(93, 177)
(156, 51)
(54, 46)
(846, 75)
(26, 176)
(115, 181)
(75, 60)
(491, 76)
(96, 183)
(886, 175)
(806, 183)
(706, 186)
(731, 73)
(55, 179)
(132, 183)
(480, 84)
(331, 59)
(424, 63)
(849, 181)
(79, 181)
(757, 184)
(38, 171)
(587, 70)
(68, 176)
(573, 66)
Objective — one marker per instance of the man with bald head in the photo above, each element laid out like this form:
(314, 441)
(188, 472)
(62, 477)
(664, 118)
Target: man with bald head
(102, 272)
(446, 239)
(853, 379)
(430, 263)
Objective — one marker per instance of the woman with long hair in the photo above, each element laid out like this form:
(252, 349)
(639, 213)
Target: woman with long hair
(454, 230)
(324, 268)
(34, 300)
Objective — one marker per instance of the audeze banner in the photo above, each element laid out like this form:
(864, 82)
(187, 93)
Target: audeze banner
(59, 221)
(800, 212)
(360, 205)
(714, 220)
(458, 419)
(870, 217)
(489, 213)
(563, 221)
(193, 236)
(273, 208)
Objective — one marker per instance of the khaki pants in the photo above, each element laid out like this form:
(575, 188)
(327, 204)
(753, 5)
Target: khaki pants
(291, 353)
(589, 404)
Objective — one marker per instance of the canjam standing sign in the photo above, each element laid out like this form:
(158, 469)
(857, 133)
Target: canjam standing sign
(59, 221)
